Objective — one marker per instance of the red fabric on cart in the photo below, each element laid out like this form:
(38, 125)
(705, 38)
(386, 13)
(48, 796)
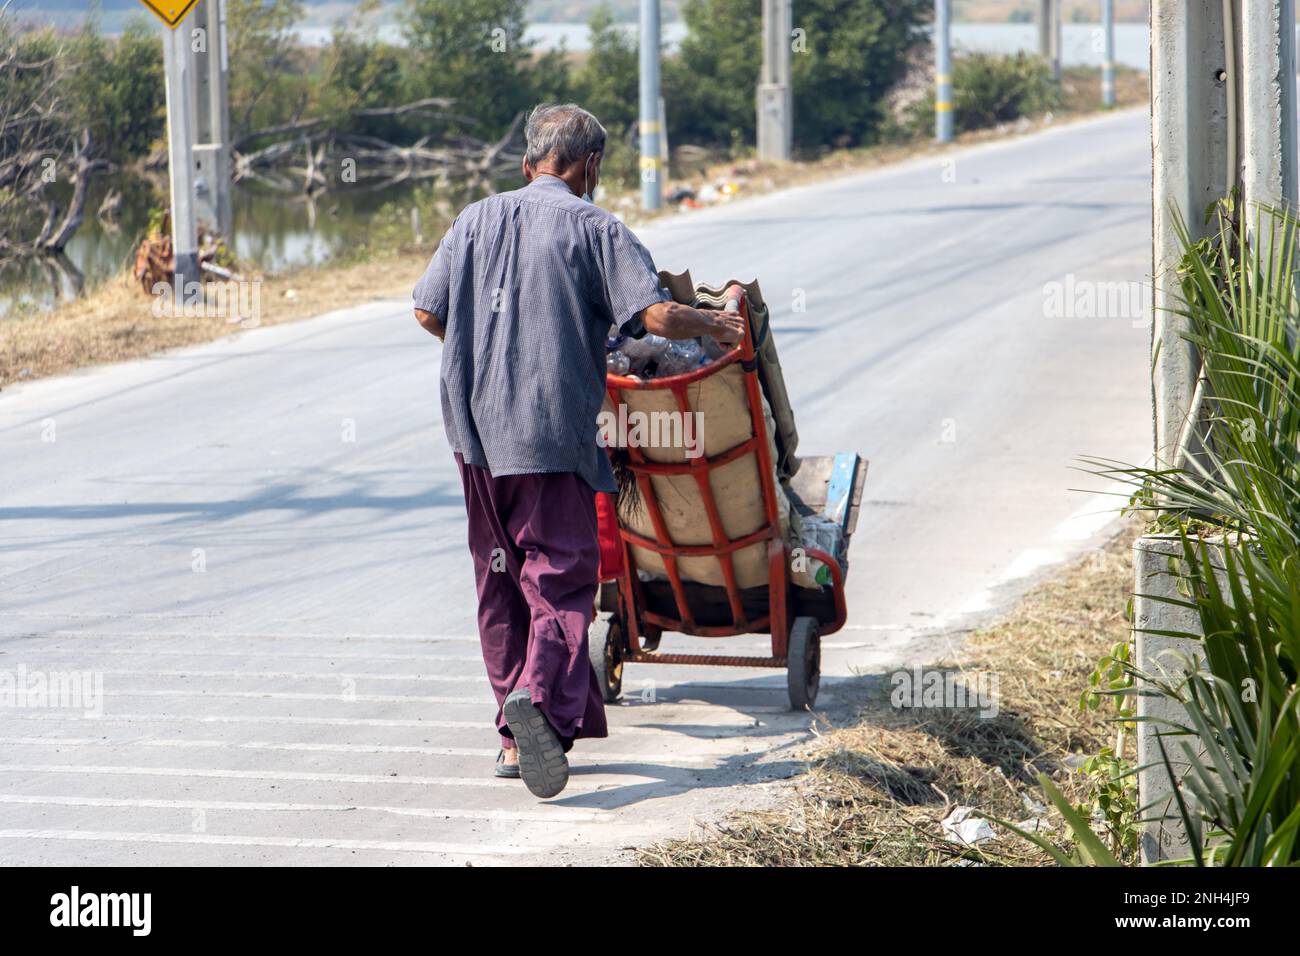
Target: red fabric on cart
(611, 545)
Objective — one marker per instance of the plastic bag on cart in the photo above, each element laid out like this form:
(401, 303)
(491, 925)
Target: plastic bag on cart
(824, 534)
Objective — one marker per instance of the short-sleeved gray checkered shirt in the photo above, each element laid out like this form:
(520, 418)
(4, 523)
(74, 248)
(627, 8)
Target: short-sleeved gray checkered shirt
(527, 284)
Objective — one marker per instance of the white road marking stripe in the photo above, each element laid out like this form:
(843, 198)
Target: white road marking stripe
(258, 635)
(593, 756)
(740, 642)
(293, 675)
(309, 776)
(444, 849)
(154, 652)
(289, 695)
(248, 719)
(736, 725)
(551, 815)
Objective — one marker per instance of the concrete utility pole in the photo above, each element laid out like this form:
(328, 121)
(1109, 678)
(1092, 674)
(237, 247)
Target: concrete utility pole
(1268, 103)
(1223, 114)
(1108, 61)
(651, 162)
(1049, 34)
(180, 158)
(775, 92)
(1058, 55)
(943, 71)
(212, 120)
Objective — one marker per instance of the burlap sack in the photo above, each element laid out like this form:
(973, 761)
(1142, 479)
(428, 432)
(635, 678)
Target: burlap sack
(726, 422)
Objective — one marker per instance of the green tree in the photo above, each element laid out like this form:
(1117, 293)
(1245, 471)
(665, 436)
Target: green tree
(550, 79)
(607, 86)
(268, 81)
(113, 88)
(856, 51)
(474, 54)
(120, 91)
(847, 55)
(358, 69)
(709, 85)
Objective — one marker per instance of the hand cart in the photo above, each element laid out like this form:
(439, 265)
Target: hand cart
(632, 613)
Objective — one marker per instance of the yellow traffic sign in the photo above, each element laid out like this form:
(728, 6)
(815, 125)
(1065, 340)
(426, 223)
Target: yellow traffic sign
(170, 12)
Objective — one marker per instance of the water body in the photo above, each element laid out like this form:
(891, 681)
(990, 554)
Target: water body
(1081, 42)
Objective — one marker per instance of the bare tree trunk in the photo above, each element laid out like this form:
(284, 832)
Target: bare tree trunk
(54, 239)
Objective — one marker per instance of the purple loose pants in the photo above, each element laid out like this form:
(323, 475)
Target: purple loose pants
(533, 540)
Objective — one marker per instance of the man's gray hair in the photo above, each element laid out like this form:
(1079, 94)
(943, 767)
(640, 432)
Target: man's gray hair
(562, 132)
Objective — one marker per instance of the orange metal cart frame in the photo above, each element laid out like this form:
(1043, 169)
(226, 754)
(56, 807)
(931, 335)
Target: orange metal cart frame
(636, 620)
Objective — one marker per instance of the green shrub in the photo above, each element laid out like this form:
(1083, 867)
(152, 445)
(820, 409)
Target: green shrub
(989, 89)
(1238, 725)
(847, 56)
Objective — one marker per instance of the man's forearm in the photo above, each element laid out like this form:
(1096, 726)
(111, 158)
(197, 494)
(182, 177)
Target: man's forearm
(430, 323)
(672, 320)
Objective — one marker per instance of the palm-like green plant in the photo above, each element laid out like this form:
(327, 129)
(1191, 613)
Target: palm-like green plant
(1235, 504)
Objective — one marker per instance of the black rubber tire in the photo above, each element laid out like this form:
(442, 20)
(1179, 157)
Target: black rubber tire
(605, 645)
(804, 663)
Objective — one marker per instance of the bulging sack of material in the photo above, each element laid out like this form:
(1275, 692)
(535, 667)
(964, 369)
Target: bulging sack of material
(785, 435)
(718, 405)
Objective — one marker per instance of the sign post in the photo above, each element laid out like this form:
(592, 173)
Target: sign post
(651, 164)
(211, 146)
(180, 156)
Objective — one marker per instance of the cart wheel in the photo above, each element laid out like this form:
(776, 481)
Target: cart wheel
(605, 645)
(804, 664)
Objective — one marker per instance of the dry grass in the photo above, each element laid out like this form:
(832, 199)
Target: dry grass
(117, 321)
(1081, 89)
(877, 789)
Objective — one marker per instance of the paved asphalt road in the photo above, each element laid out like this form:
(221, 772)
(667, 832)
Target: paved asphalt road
(258, 544)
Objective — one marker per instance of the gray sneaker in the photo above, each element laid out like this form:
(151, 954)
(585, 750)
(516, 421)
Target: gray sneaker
(542, 763)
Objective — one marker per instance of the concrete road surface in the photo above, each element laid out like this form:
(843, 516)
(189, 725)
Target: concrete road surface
(258, 545)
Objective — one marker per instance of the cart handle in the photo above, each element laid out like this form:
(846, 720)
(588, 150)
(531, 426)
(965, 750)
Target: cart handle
(837, 588)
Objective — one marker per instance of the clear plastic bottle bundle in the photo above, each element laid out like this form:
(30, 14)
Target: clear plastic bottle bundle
(653, 356)
(682, 356)
(644, 354)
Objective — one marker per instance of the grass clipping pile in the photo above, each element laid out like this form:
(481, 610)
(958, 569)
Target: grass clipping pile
(876, 791)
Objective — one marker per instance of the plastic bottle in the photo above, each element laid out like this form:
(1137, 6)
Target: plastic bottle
(644, 351)
(681, 356)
